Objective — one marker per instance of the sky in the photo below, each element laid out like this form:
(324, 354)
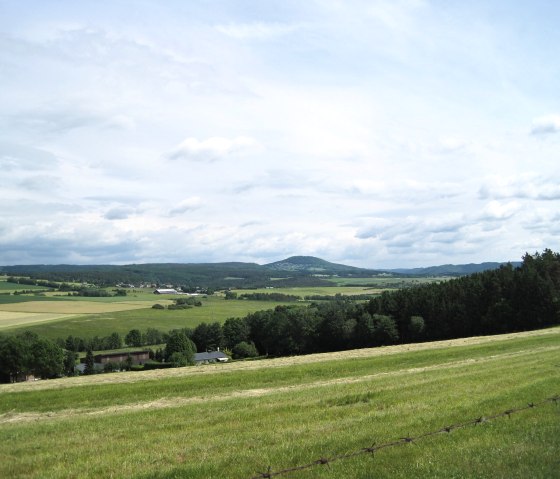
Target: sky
(380, 134)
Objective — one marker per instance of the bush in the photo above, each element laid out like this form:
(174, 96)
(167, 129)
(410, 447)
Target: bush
(156, 365)
(110, 367)
(158, 306)
(244, 350)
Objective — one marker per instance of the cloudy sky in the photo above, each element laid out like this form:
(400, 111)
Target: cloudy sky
(381, 134)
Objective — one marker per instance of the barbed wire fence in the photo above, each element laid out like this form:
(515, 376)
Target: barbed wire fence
(404, 440)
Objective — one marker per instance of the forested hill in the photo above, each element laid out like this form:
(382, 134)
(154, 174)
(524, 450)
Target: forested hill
(452, 269)
(293, 271)
(312, 265)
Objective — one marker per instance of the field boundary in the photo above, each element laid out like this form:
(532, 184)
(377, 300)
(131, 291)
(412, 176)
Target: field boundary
(404, 440)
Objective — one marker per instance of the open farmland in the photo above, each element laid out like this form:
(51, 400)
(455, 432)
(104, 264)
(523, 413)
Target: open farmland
(236, 420)
(39, 314)
(13, 319)
(100, 318)
(317, 290)
(386, 282)
(6, 287)
(72, 307)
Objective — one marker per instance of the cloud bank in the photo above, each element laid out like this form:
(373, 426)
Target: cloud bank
(385, 134)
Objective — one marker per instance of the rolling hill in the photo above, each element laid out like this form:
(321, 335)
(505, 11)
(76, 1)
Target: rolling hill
(292, 271)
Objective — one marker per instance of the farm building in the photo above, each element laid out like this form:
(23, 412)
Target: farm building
(137, 357)
(166, 291)
(211, 357)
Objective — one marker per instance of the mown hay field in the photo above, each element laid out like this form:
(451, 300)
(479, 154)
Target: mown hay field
(39, 314)
(12, 319)
(236, 421)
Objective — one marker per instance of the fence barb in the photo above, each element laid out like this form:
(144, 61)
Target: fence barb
(404, 440)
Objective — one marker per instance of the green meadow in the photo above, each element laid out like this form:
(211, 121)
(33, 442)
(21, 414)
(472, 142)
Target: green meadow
(236, 420)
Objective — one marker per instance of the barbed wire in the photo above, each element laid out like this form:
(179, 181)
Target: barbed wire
(404, 440)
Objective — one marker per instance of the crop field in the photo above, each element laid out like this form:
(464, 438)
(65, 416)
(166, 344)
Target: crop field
(237, 420)
(101, 318)
(72, 307)
(36, 315)
(12, 319)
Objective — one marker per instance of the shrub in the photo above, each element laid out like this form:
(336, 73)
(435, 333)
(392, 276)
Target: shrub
(244, 350)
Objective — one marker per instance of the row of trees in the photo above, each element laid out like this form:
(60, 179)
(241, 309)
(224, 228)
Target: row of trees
(134, 337)
(26, 354)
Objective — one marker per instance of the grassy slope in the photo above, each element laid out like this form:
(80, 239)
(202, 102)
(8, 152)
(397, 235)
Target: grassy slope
(236, 420)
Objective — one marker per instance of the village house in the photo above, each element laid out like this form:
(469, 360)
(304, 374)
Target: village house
(211, 357)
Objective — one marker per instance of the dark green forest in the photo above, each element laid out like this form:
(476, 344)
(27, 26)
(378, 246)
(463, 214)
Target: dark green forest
(497, 301)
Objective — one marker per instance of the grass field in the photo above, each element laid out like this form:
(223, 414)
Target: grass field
(236, 420)
(319, 290)
(5, 286)
(11, 319)
(384, 281)
(110, 317)
(57, 315)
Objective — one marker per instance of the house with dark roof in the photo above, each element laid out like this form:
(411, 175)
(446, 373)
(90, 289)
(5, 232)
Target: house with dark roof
(210, 357)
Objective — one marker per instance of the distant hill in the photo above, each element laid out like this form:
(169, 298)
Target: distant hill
(293, 271)
(452, 269)
(313, 265)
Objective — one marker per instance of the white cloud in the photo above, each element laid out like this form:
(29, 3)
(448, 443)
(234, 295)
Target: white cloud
(525, 186)
(188, 204)
(497, 211)
(546, 125)
(118, 213)
(257, 30)
(211, 149)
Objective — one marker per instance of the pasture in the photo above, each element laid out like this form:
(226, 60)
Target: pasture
(235, 420)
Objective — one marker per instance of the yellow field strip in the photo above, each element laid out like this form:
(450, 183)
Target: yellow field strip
(132, 377)
(167, 402)
(10, 319)
(73, 307)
